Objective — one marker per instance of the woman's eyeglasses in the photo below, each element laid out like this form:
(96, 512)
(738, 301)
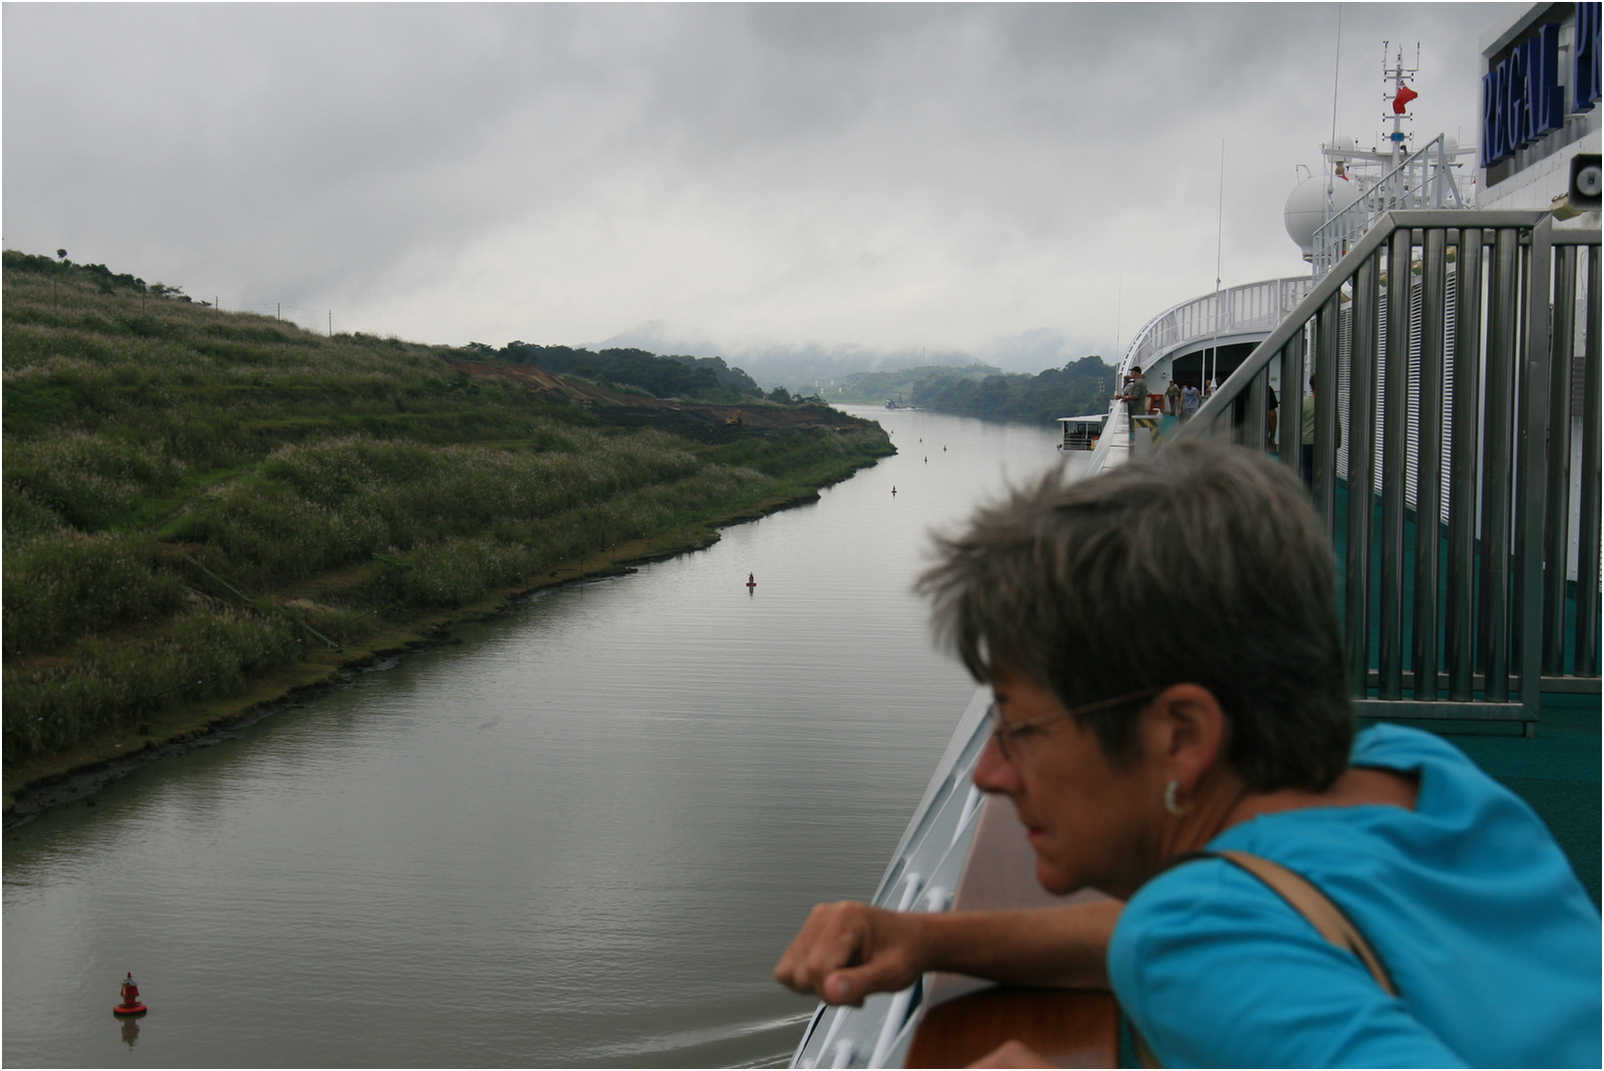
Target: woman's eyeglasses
(1009, 735)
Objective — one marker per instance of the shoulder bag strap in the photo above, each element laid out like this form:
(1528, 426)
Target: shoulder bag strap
(1307, 900)
(1314, 905)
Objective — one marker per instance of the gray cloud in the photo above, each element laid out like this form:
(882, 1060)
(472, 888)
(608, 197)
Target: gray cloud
(750, 177)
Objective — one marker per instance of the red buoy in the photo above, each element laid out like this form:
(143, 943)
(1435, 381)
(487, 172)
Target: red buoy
(131, 1004)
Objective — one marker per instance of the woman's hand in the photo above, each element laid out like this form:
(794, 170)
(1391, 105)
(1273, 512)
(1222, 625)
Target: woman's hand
(847, 950)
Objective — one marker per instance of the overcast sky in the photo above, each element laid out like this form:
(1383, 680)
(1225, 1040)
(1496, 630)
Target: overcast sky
(1023, 183)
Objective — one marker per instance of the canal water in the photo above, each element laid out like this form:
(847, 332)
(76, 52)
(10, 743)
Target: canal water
(580, 836)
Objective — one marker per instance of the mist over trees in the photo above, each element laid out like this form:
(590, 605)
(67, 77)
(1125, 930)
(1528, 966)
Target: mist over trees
(1080, 387)
(812, 368)
(834, 372)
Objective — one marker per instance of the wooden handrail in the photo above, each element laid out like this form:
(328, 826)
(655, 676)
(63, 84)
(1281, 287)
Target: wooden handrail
(1068, 1027)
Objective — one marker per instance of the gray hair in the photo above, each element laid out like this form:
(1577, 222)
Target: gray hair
(1202, 564)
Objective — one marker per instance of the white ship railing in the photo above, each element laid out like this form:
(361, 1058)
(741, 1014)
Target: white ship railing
(1251, 307)
(961, 851)
(922, 875)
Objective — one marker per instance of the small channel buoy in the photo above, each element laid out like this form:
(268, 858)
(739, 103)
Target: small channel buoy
(131, 1004)
(751, 581)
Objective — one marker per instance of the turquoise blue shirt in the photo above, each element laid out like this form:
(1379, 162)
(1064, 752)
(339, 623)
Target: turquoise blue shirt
(1491, 941)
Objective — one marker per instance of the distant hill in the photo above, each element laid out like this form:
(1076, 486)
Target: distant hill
(702, 378)
(804, 368)
(902, 384)
(1082, 386)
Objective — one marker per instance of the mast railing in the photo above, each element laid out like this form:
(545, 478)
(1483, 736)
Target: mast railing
(1493, 408)
(1424, 180)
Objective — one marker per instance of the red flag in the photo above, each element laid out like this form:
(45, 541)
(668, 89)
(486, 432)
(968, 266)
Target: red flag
(1401, 101)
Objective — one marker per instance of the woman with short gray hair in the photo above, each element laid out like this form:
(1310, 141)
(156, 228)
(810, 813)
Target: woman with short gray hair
(1194, 755)
(1072, 584)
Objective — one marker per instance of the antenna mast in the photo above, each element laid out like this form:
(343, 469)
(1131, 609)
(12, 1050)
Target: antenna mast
(1336, 77)
(1219, 236)
(1400, 77)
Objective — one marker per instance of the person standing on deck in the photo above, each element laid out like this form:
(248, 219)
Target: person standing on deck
(1172, 398)
(1189, 402)
(1136, 392)
(1308, 436)
(1271, 403)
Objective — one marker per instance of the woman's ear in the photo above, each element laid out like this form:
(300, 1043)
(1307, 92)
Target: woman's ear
(1185, 733)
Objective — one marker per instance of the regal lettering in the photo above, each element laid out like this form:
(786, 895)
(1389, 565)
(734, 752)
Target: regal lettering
(1522, 98)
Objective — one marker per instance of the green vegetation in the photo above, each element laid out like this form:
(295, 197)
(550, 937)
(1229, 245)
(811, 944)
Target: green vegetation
(1083, 386)
(203, 506)
(705, 378)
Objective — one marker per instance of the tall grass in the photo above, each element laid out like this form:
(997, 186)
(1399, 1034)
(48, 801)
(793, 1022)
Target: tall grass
(60, 588)
(112, 684)
(191, 496)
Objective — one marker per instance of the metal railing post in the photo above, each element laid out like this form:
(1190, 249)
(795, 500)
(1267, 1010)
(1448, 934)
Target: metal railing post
(1326, 427)
(1460, 610)
(1253, 420)
(1361, 434)
(1289, 422)
(1556, 519)
(1587, 544)
(1497, 467)
(1428, 482)
(1394, 465)
(1531, 458)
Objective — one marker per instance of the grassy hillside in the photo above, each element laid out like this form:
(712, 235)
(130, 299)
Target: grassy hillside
(204, 508)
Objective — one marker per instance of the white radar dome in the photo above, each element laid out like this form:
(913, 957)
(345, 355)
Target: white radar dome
(1306, 207)
(1344, 145)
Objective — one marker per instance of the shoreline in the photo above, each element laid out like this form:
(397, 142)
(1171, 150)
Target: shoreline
(80, 773)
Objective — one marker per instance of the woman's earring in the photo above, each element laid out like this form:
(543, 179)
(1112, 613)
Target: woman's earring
(1170, 803)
